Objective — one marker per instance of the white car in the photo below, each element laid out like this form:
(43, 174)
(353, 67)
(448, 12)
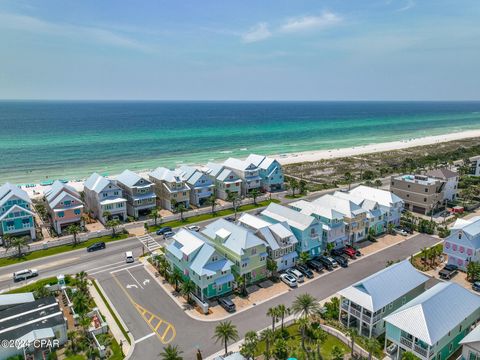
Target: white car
(289, 280)
(24, 274)
(129, 257)
(194, 228)
(400, 231)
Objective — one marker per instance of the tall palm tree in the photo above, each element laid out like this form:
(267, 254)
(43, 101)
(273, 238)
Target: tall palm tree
(318, 336)
(73, 230)
(303, 324)
(280, 349)
(225, 332)
(303, 258)
(181, 209)
(273, 313)
(305, 305)
(187, 288)
(348, 177)
(249, 346)
(171, 352)
(267, 336)
(106, 215)
(17, 242)
(372, 346)
(176, 277)
(282, 312)
(293, 185)
(212, 201)
(112, 224)
(154, 215)
(41, 292)
(254, 193)
(352, 334)
(234, 198)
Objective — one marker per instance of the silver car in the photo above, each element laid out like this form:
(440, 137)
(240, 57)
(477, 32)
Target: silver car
(289, 280)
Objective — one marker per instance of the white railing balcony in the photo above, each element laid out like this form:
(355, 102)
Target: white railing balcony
(345, 306)
(406, 342)
(420, 350)
(355, 312)
(366, 318)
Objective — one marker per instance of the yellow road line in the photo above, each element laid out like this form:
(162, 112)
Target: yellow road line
(142, 311)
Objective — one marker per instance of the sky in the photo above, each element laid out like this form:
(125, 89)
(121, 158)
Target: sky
(240, 50)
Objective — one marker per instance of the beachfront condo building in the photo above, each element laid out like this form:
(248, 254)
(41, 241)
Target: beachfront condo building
(432, 325)
(16, 215)
(242, 247)
(200, 184)
(226, 180)
(248, 172)
(471, 345)
(463, 244)
(64, 205)
(104, 198)
(270, 171)
(279, 238)
(193, 255)
(474, 165)
(365, 304)
(139, 192)
(170, 188)
(421, 194)
(451, 182)
(331, 222)
(307, 229)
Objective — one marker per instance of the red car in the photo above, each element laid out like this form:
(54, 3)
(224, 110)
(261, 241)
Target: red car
(350, 252)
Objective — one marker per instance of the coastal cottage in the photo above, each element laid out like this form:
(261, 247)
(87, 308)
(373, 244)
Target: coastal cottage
(138, 191)
(103, 196)
(170, 188)
(248, 172)
(331, 221)
(451, 182)
(432, 325)
(463, 244)
(16, 215)
(64, 205)
(270, 171)
(471, 345)
(197, 260)
(201, 186)
(365, 304)
(225, 180)
(306, 229)
(242, 247)
(280, 240)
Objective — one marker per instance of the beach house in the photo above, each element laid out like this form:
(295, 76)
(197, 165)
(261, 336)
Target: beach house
(331, 221)
(450, 178)
(365, 304)
(242, 247)
(463, 244)
(306, 229)
(248, 172)
(16, 215)
(225, 180)
(139, 192)
(420, 193)
(170, 188)
(355, 218)
(197, 260)
(104, 198)
(279, 238)
(471, 345)
(64, 205)
(200, 184)
(432, 325)
(474, 165)
(270, 171)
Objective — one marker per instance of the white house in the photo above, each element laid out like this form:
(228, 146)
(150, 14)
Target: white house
(471, 345)
(225, 179)
(463, 244)
(451, 182)
(247, 171)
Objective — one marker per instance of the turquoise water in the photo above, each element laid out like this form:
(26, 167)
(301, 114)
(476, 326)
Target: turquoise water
(72, 139)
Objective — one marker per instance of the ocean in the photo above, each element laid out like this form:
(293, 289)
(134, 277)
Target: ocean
(71, 139)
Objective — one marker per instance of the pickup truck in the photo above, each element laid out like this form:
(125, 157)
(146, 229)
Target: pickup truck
(448, 271)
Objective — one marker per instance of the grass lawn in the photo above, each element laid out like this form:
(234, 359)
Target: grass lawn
(76, 357)
(58, 250)
(117, 352)
(325, 349)
(296, 196)
(38, 284)
(220, 213)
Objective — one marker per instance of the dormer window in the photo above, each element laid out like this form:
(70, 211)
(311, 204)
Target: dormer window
(459, 235)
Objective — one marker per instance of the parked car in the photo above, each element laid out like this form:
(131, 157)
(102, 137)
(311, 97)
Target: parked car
(305, 271)
(448, 271)
(315, 265)
(350, 252)
(400, 231)
(341, 260)
(230, 218)
(476, 286)
(328, 261)
(327, 264)
(194, 228)
(227, 304)
(24, 274)
(168, 234)
(392, 348)
(164, 230)
(129, 257)
(337, 252)
(357, 252)
(96, 246)
(289, 280)
(296, 274)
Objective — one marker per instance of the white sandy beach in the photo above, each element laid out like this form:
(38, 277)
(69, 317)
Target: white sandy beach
(317, 155)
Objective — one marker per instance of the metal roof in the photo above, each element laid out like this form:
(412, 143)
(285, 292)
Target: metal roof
(472, 337)
(15, 299)
(294, 218)
(471, 229)
(346, 207)
(98, 183)
(383, 197)
(309, 208)
(131, 179)
(433, 314)
(8, 190)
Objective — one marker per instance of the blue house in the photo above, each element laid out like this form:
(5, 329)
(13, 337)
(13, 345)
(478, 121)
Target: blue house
(200, 184)
(270, 171)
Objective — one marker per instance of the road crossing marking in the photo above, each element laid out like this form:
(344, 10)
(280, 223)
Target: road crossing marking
(149, 242)
(145, 337)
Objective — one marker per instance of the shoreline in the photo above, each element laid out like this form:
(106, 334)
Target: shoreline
(312, 156)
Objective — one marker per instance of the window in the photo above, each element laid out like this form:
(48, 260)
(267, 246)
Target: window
(254, 251)
(404, 300)
(390, 306)
(61, 214)
(426, 189)
(460, 329)
(424, 199)
(450, 347)
(77, 211)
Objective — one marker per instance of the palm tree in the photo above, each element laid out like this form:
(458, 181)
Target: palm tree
(16, 242)
(303, 324)
(303, 258)
(390, 228)
(348, 177)
(73, 230)
(212, 201)
(233, 197)
(41, 292)
(241, 284)
(267, 336)
(249, 346)
(371, 234)
(473, 271)
(154, 215)
(293, 185)
(112, 224)
(302, 186)
(282, 312)
(81, 281)
(186, 288)
(181, 209)
(377, 183)
(318, 337)
(176, 277)
(352, 334)
(280, 349)
(424, 253)
(336, 353)
(80, 302)
(171, 352)
(107, 215)
(372, 346)
(408, 355)
(273, 313)
(305, 305)
(272, 267)
(254, 193)
(225, 332)
(84, 322)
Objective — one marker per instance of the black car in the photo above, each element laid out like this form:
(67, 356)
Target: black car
(164, 230)
(227, 304)
(315, 265)
(448, 271)
(326, 262)
(230, 219)
(96, 246)
(305, 271)
(341, 260)
(337, 252)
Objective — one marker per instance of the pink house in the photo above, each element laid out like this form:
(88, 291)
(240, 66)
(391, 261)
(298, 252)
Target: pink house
(64, 205)
(463, 244)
